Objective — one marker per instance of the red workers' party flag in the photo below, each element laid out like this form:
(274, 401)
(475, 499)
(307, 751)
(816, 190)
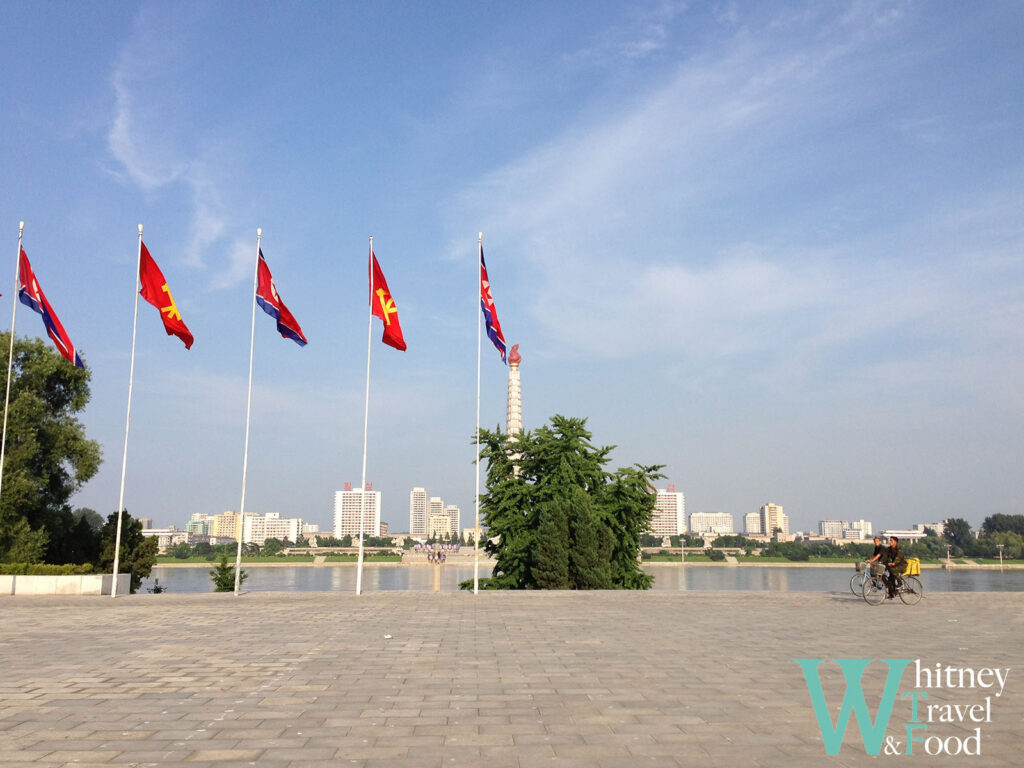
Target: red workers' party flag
(383, 306)
(155, 291)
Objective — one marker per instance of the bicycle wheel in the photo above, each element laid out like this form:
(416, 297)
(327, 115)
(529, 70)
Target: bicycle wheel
(911, 592)
(873, 591)
(857, 584)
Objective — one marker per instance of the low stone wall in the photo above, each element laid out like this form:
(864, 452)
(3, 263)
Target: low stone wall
(89, 584)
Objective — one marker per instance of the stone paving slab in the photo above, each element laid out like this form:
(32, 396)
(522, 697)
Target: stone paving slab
(602, 679)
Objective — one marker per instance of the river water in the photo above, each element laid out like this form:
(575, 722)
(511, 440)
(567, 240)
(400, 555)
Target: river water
(677, 578)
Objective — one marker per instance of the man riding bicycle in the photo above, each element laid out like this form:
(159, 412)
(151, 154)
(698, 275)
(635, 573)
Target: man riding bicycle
(879, 553)
(895, 565)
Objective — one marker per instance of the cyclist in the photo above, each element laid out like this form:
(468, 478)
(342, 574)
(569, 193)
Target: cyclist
(895, 565)
(879, 552)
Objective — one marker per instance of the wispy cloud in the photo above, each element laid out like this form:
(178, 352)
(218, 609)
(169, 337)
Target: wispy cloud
(155, 148)
(624, 264)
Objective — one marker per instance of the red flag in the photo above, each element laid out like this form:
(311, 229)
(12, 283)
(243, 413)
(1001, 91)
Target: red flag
(155, 291)
(383, 306)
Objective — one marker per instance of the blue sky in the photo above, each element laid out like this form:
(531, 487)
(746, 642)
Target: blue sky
(777, 247)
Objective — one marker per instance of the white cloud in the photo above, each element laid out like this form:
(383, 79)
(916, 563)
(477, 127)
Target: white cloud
(622, 265)
(155, 147)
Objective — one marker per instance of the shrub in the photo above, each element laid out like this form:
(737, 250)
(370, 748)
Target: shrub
(44, 569)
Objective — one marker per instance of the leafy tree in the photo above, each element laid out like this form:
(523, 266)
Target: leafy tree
(271, 547)
(181, 551)
(714, 555)
(958, 533)
(537, 478)
(346, 541)
(92, 518)
(47, 458)
(1004, 524)
(223, 576)
(137, 555)
(203, 549)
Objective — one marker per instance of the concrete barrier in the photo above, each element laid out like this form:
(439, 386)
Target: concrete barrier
(89, 584)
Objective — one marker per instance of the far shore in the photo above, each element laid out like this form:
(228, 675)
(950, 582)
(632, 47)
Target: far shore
(653, 563)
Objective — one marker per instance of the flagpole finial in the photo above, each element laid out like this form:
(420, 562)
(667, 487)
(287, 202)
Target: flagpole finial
(140, 230)
(480, 236)
(21, 227)
(259, 232)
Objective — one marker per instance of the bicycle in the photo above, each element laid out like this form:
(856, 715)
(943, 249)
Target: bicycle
(875, 589)
(859, 579)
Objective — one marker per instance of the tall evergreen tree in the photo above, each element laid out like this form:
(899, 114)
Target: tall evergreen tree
(590, 566)
(550, 568)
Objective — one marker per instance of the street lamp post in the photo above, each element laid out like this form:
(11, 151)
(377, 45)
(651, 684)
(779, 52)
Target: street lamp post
(948, 550)
(1000, 555)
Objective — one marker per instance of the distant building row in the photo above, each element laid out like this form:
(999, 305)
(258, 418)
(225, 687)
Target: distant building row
(431, 517)
(669, 518)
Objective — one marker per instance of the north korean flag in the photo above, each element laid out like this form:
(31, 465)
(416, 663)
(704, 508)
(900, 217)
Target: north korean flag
(32, 296)
(490, 311)
(269, 300)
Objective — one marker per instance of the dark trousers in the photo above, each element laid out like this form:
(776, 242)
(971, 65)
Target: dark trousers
(892, 574)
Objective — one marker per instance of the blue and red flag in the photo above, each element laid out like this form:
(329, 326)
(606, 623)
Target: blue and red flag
(490, 313)
(270, 302)
(32, 296)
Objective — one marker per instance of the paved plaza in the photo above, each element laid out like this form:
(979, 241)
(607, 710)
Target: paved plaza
(499, 679)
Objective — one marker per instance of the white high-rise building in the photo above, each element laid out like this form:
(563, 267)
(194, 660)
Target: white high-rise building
(752, 523)
(863, 526)
(832, 529)
(435, 506)
(418, 512)
(712, 522)
(773, 520)
(669, 516)
(347, 506)
(454, 514)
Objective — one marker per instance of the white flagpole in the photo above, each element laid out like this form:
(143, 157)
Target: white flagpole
(476, 536)
(10, 353)
(127, 421)
(248, 411)
(366, 426)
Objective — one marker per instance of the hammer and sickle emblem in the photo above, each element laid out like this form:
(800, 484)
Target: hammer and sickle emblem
(387, 307)
(172, 308)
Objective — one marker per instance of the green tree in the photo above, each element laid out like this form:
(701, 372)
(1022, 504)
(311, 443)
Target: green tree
(606, 513)
(137, 554)
(1004, 524)
(223, 576)
(203, 549)
(47, 458)
(271, 547)
(958, 533)
(180, 551)
(550, 569)
(346, 541)
(589, 565)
